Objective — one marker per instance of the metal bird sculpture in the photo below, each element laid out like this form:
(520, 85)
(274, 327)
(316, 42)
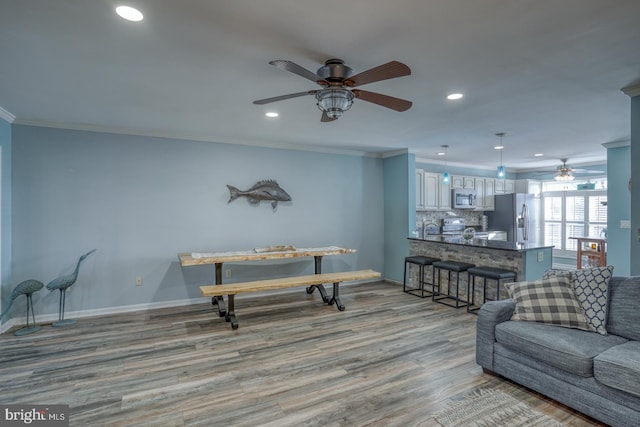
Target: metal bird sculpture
(28, 287)
(62, 283)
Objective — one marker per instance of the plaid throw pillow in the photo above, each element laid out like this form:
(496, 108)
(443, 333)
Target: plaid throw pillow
(552, 301)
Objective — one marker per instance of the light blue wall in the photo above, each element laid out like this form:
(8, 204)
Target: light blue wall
(5, 224)
(619, 208)
(635, 188)
(399, 212)
(141, 200)
(456, 170)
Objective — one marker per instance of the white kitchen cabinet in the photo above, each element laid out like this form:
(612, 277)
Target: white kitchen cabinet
(431, 191)
(528, 186)
(464, 182)
(437, 195)
(509, 186)
(420, 189)
(505, 186)
(445, 195)
(485, 190)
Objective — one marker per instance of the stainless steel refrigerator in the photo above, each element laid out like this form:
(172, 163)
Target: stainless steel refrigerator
(518, 214)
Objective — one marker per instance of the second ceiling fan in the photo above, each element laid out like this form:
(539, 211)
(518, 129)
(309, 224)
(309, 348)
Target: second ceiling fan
(337, 94)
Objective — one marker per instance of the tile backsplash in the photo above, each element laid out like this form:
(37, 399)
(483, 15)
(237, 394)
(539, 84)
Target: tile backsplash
(472, 218)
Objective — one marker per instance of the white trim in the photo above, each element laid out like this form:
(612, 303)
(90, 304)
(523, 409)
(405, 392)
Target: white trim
(4, 114)
(198, 138)
(52, 317)
(617, 144)
(633, 90)
(394, 153)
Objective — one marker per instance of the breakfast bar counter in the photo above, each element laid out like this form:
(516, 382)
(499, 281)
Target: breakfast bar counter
(529, 260)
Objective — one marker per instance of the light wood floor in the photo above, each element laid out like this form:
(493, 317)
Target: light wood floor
(390, 359)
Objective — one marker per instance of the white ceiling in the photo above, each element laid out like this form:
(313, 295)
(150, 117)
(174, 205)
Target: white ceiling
(546, 72)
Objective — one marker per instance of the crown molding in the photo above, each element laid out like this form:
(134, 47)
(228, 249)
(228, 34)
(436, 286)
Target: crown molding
(632, 90)
(4, 114)
(616, 144)
(196, 138)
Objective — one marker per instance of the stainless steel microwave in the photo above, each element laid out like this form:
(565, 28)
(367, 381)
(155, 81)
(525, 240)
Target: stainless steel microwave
(463, 199)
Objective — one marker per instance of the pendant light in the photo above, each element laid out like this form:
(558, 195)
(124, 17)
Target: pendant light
(501, 169)
(445, 175)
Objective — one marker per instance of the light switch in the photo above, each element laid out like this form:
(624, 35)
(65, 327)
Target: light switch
(625, 223)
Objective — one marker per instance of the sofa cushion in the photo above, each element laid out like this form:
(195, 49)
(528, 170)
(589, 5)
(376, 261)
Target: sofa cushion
(619, 367)
(623, 316)
(551, 301)
(571, 350)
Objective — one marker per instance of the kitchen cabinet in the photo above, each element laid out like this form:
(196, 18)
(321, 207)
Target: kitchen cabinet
(464, 182)
(420, 189)
(528, 186)
(485, 190)
(505, 186)
(437, 194)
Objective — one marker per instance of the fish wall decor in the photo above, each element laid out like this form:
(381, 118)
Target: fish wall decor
(262, 190)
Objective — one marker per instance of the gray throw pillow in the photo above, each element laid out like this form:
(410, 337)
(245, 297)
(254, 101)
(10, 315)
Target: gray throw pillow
(552, 301)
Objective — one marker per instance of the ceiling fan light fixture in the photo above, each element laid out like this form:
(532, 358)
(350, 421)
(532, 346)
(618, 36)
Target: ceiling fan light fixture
(334, 101)
(564, 177)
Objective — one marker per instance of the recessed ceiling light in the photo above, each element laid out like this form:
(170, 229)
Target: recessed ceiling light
(129, 13)
(538, 155)
(272, 114)
(440, 153)
(498, 147)
(454, 96)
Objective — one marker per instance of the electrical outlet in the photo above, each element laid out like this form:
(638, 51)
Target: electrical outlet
(139, 281)
(540, 256)
(227, 273)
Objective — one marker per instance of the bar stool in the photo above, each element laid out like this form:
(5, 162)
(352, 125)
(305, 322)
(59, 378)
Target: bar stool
(492, 273)
(421, 262)
(455, 267)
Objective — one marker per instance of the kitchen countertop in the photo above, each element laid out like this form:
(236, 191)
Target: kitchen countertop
(483, 243)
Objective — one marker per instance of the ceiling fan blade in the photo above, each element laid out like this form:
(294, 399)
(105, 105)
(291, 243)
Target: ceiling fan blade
(299, 70)
(586, 171)
(282, 97)
(390, 70)
(326, 118)
(383, 100)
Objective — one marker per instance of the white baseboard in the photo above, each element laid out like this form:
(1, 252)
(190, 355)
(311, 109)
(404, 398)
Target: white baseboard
(52, 317)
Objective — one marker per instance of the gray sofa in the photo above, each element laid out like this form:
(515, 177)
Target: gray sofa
(598, 375)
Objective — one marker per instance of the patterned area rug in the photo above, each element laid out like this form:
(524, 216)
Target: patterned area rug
(491, 408)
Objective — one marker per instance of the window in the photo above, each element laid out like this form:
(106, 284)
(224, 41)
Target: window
(572, 213)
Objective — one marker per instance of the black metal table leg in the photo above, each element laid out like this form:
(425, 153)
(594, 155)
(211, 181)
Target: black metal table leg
(336, 297)
(231, 313)
(219, 299)
(318, 270)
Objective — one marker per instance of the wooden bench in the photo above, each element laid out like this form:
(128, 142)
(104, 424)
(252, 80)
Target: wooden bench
(287, 282)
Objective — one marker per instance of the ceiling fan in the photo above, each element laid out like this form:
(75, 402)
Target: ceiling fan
(565, 172)
(336, 80)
